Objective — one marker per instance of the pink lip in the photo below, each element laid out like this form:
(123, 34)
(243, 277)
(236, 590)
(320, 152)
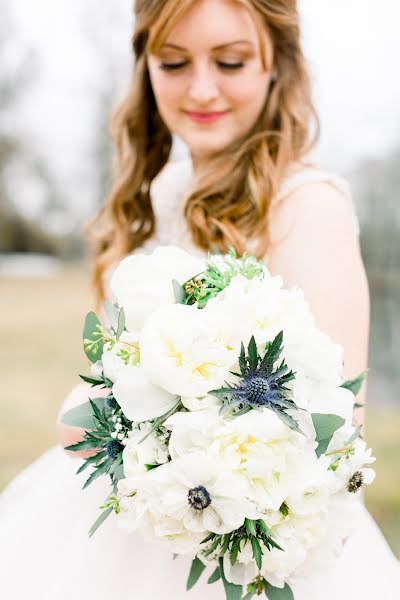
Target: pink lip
(205, 117)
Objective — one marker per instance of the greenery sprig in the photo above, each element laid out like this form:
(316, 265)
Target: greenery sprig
(108, 456)
(214, 279)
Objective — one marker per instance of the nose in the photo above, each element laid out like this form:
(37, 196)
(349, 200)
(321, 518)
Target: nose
(203, 88)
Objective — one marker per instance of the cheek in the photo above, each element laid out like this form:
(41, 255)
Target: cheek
(248, 90)
(166, 90)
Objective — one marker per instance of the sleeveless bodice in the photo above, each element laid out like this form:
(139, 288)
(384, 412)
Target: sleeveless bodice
(170, 187)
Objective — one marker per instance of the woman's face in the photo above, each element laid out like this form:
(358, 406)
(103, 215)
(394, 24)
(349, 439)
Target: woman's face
(211, 63)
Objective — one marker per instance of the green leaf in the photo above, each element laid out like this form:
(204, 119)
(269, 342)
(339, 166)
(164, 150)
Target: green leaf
(253, 354)
(91, 333)
(214, 576)
(325, 426)
(209, 537)
(83, 445)
(121, 323)
(100, 520)
(225, 545)
(112, 314)
(257, 552)
(354, 385)
(90, 461)
(118, 472)
(234, 551)
(287, 419)
(195, 572)
(82, 415)
(232, 591)
(94, 381)
(179, 292)
(274, 593)
(100, 470)
(250, 526)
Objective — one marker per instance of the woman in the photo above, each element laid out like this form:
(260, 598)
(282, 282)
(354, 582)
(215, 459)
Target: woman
(228, 77)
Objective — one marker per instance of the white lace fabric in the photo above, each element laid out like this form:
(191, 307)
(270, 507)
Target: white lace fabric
(170, 187)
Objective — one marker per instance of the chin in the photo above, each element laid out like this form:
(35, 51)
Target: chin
(205, 147)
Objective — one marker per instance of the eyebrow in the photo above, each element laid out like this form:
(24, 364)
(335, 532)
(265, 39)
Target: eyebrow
(215, 47)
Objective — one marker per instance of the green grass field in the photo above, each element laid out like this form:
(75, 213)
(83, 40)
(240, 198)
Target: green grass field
(41, 357)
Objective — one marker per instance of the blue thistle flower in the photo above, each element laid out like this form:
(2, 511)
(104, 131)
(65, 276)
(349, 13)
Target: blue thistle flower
(261, 385)
(114, 448)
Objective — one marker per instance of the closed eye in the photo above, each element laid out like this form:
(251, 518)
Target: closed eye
(222, 65)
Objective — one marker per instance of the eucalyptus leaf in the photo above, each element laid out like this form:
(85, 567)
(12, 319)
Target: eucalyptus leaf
(325, 426)
(179, 292)
(196, 570)
(112, 314)
(91, 334)
(274, 593)
(232, 591)
(100, 520)
(82, 415)
(121, 323)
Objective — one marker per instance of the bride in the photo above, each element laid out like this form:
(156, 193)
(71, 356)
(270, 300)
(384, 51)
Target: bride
(229, 78)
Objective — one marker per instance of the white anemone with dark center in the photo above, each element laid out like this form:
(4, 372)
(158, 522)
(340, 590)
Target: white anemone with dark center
(199, 498)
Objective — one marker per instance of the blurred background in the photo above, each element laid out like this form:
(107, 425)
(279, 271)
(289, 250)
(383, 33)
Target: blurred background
(63, 66)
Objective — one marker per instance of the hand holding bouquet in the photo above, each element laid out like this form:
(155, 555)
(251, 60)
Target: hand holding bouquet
(227, 430)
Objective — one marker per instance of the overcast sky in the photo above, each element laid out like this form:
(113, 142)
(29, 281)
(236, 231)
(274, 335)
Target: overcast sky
(353, 48)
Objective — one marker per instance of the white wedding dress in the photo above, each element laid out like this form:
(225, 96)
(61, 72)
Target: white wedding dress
(46, 553)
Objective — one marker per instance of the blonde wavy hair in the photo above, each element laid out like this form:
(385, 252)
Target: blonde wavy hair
(231, 200)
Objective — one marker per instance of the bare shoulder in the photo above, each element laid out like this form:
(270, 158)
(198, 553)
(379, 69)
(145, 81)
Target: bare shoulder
(315, 246)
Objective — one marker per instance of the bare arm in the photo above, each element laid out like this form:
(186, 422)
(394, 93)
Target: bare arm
(71, 435)
(315, 246)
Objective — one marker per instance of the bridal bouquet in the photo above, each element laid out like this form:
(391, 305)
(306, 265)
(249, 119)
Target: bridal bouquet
(226, 426)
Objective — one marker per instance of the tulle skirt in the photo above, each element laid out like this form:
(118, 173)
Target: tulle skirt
(46, 553)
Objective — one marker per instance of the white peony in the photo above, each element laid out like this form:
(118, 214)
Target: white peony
(142, 283)
(260, 447)
(139, 398)
(181, 353)
(192, 431)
